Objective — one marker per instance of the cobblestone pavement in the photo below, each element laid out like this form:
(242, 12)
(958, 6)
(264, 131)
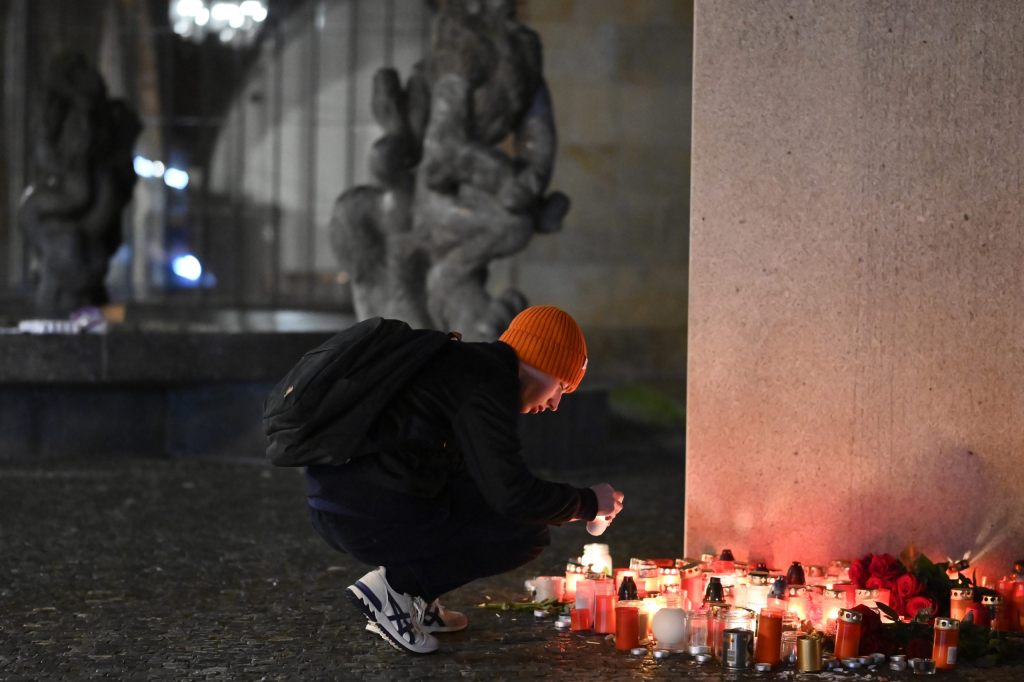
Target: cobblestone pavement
(174, 570)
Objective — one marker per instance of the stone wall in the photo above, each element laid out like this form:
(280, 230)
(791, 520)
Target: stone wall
(620, 74)
(856, 292)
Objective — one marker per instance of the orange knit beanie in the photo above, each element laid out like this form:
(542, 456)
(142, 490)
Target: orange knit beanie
(550, 340)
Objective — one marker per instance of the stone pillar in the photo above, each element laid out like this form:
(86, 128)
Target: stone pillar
(856, 363)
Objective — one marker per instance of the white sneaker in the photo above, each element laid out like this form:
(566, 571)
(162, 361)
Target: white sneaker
(391, 614)
(434, 617)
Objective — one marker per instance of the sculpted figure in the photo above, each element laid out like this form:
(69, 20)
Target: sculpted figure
(463, 168)
(83, 177)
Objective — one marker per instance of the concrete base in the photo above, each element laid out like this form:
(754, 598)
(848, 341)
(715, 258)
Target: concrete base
(196, 395)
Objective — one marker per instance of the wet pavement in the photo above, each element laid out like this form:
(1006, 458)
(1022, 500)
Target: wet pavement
(197, 569)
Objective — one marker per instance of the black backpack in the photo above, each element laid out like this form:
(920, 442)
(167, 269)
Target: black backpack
(321, 411)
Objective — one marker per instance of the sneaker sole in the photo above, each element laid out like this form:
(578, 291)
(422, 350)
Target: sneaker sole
(367, 610)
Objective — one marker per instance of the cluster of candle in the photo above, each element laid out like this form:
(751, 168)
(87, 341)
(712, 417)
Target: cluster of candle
(718, 608)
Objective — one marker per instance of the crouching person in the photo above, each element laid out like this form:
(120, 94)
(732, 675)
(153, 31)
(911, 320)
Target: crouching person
(445, 496)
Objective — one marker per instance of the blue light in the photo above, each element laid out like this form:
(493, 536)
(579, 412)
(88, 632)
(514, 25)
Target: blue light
(143, 167)
(175, 178)
(187, 267)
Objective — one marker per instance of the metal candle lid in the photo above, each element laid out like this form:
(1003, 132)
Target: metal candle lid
(763, 667)
(702, 658)
(961, 593)
(795, 574)
(922, 666)
(947, 624)
(848, 616)
(991, 600)
(638, 651)
(714, 592)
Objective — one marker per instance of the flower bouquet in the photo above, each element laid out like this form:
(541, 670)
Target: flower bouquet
(919, 590)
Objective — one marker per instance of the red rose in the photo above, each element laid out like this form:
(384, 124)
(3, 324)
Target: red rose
(897, 602)
(907, 585)
(886, 567)
(874, 583)
(918, 602)
(859, 571)
(919, 648)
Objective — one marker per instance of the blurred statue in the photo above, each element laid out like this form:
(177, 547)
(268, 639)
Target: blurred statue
(449, 199)
(83, 178)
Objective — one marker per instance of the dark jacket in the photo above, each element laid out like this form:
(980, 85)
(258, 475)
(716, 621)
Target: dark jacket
(458, 416)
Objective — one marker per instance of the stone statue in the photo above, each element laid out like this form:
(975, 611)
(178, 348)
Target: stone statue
(83, 177)
(463, 170)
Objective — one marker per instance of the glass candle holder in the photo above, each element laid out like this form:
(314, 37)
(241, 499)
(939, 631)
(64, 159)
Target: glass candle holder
(758, 587)
(866, 597)
(944, 642)
(816, 575)
(669, 580)
(646, 575)
(597, 558)
(573, 574)
(787, 653)
(832, 601)
(729, 618)
(699, 633)
(798, 602)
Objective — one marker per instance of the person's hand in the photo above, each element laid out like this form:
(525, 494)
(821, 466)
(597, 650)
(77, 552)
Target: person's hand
(609, 500)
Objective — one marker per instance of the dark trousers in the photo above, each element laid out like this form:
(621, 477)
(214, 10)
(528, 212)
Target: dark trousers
(429, 546)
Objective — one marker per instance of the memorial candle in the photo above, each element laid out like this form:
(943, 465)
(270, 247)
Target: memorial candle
(693, 584)
(627, 627)
(768, 647)
(573, 574)
(944, 642)
(848, 627)
(960, 599)
(669, 580)
(604, 613)
(798, 601)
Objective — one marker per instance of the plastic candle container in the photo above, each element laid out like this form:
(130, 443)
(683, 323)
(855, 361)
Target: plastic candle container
(604, 608)
(944, 642)
(627, 627)
(768, 646)
(579, 619)
(585, 596)
(960, 599)
(692, 583)
(848, 627)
